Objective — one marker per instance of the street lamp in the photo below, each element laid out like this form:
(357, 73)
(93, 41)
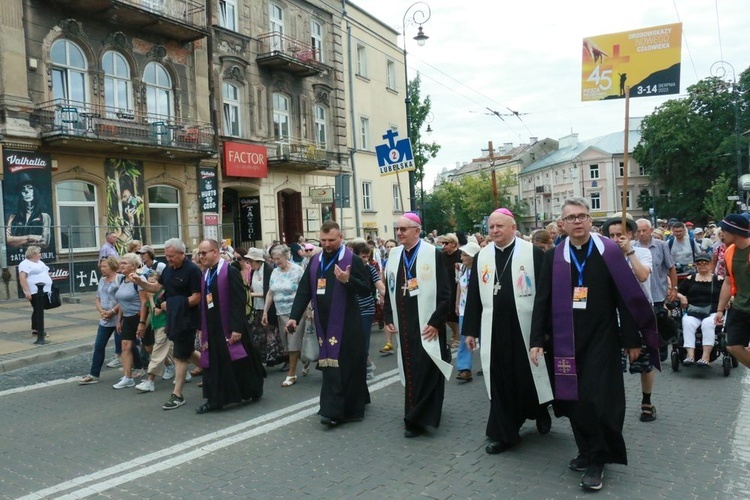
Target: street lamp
(423, 212)
(719, 70)
(417, 14)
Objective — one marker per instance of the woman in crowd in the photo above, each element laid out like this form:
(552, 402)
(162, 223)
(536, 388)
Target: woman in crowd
(129, 298)
(542, 239)
(297, 249)
(463, 357)
(699, 295)
(367, 302)
(134, 246)
(30, 272)
(107, 306)
(282, 288)
(388, 347)
(265, 337)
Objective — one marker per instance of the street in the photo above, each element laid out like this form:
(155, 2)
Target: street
(61, 440)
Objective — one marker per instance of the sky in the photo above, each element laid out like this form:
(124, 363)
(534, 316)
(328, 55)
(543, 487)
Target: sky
(525, 56)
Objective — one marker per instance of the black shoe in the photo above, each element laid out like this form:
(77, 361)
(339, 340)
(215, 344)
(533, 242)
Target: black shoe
(543, 422)
(592, 479)
(206, 407)
(496, 447)
(413, 431)
(579, 463)
(329, 421)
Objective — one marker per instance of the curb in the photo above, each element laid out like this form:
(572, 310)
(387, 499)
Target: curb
(39, 355)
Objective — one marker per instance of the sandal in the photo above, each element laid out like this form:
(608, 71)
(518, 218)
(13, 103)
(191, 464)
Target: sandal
(688, 361)
(88, 380)
(702, 363)
(305, 368)
(648, 413)
(290, 381)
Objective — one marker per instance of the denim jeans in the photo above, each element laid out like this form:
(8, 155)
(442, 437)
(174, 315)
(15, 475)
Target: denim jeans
(100, 344)
(366, 329)
(463, 358)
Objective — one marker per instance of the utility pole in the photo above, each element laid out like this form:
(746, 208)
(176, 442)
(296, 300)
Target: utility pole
(494, 176)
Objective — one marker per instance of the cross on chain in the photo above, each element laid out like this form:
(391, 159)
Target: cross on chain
(496, 288)
(405, 288)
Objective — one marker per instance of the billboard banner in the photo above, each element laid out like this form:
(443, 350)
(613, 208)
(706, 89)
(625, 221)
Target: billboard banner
(646, 60)
(27, 200)
(250, 218)
(125, 209)
(245, 160)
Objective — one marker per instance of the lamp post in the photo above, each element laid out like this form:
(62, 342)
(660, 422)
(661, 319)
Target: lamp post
(719, 70)
(417, 14)
(423, 211)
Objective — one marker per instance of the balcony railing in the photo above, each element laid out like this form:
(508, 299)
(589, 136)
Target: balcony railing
(72, 119)
(185, 11)
(294, 55)
(299, 152)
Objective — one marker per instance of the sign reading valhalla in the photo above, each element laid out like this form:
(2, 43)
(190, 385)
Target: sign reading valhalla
(394, 156)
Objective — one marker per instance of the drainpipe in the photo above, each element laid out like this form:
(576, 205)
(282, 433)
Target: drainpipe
(355, 178)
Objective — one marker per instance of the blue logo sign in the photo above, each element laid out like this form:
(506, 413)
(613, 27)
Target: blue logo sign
(394, 156)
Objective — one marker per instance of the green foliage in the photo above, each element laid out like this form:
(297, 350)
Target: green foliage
(463, 205)
(715, 204)
(418, 113)
(688, 143)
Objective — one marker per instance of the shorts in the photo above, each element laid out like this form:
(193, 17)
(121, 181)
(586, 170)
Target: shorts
(148, 338)
(129, 327)
(184, 345)
(737, 328)
(641, 365)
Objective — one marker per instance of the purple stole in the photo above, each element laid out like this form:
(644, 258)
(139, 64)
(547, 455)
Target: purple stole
(236, 350)
(330, 340)
(566, 374)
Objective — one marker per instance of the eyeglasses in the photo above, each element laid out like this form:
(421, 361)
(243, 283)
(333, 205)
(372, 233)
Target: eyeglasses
(403, 229)
(570, 219)
(203, 254)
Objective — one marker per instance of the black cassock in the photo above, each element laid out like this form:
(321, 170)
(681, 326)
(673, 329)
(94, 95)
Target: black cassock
(599, 414)
(514, 398)
(344, 392)
(425, 383)
(226, 381)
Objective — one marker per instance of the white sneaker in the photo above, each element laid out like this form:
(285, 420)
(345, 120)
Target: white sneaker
(138, 372)
(371, 371)
(168, 372)
(124, 383)
(188, 378)
(114, 362)
(146, 386)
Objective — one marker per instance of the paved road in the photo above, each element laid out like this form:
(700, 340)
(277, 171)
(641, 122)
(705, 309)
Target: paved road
(63, 440)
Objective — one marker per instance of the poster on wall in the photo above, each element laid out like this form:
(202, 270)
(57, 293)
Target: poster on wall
(27, 202)
(250, 218)
(208, 189)
(124, 200)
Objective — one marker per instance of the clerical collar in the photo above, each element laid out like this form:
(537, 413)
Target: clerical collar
(503, 248)
(410, 249)
(579, 247)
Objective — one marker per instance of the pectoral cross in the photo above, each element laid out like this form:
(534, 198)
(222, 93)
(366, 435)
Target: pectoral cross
(496, 288)
(405, 288)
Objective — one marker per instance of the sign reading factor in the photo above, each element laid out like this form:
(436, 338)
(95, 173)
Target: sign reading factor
(646, 60)
(394, 156)
(207, 189)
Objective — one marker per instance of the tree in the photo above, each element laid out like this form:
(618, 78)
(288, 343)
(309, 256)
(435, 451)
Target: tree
(716, 205)
(418, 113)
(686, 143)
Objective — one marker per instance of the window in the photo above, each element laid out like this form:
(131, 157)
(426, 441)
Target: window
(276, 25)
(364, 133)
(68, 72)
(397, 199)
(316, 40)
(361, 61)
(627, 200)
(164, 213)
(390, 75)
(593, 171)
(622, 170)
(596, 202)
(321, 132)
(158, 92)
(366, 195)
(281, 126)
(642, 170)
(117, 86)
(231, 95)
(77, 216)
(228, 14)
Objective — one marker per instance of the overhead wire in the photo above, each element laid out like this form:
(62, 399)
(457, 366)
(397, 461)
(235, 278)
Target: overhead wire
(718, 30)
(684, 38)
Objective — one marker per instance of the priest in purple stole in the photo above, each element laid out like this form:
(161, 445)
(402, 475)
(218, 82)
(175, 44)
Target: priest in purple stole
(584, 285)
(232, 368)
(417, 301)
(331, 282)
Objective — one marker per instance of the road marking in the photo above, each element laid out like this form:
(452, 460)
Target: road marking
(192, 449)
(41, 385)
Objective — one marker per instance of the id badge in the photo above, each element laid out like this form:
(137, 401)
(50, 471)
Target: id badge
(209, 300)
(580, 296)
(413, 287)
(321, 286)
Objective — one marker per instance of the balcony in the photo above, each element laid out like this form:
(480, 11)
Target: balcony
(77, 125)
(545, 190)
(183, 20)
(298, 154)
(277, 51)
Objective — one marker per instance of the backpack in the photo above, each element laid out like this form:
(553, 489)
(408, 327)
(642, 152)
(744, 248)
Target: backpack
(670, 241)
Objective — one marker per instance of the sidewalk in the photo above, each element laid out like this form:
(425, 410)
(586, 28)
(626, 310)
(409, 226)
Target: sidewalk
(71, 329)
